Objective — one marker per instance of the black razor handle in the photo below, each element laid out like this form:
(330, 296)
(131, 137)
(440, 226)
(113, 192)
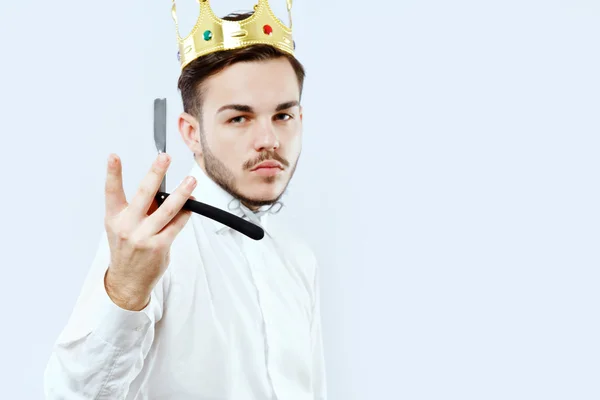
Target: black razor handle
(233, 221)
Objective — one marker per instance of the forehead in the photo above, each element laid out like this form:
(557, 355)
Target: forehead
(260, 84)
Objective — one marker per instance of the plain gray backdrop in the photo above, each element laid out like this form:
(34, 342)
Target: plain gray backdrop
(448, 183)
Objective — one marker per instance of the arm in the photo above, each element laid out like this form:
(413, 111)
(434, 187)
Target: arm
(102, 348)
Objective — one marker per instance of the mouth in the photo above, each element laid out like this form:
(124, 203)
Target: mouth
(268, 168)
(268, 165)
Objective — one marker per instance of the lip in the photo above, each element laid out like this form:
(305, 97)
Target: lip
(267, 165)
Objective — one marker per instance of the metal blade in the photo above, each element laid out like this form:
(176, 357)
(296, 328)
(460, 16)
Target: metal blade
(160, 131)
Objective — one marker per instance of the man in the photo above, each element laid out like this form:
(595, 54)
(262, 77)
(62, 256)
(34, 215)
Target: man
(178, 306)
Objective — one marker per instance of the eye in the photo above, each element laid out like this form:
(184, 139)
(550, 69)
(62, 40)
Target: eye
(283, 117)
(237, 120)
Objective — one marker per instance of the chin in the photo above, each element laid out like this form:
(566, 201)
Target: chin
(265, 191)
(266, 194)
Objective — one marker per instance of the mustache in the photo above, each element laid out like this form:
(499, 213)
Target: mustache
(266, 156)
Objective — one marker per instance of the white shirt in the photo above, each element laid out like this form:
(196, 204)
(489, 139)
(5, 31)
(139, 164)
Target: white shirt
(231, 319)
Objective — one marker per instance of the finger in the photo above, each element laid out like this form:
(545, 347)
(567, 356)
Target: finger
(114, 195)
(154, 206)
(150, 184)
(176, 225)
(170, 208)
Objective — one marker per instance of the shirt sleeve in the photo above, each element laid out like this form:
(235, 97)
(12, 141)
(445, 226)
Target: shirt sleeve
(319, 374)
(102, 347)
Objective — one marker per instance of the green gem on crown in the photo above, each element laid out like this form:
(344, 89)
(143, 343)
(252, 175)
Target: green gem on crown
(207, 35)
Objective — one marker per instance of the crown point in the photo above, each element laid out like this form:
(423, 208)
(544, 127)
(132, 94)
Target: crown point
(267, 29)
(208, 35)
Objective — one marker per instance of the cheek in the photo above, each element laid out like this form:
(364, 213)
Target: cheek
(230, 152)
(293, 142)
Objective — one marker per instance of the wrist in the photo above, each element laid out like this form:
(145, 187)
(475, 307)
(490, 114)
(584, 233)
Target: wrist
(125, 296)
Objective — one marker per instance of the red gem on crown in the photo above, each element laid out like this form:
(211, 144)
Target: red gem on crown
(267, 29)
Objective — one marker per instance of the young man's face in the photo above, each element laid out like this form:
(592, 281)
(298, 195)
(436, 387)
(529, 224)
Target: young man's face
(250, 136)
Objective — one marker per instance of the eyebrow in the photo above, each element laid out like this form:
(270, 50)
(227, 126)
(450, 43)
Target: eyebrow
(287, 105)
(248, 109)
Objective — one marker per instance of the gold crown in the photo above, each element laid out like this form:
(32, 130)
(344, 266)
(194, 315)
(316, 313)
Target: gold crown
(212, 34)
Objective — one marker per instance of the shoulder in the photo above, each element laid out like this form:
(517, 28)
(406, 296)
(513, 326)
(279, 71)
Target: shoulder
(184, 253)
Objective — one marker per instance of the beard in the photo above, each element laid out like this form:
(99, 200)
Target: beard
(225, 178)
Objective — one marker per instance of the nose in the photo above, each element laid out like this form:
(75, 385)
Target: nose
(266, 138)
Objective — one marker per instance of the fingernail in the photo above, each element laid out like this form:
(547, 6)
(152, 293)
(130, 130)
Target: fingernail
(163, 158)
(112, 160)
(190, 181)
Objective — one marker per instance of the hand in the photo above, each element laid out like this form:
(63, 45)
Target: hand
(140, 234)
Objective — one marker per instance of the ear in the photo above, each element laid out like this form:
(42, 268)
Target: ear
(301, 113)
(190, 132)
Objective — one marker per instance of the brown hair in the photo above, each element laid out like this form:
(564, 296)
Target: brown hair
(192, 76)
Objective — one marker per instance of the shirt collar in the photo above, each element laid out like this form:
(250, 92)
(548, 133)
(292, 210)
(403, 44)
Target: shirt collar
(209, 192)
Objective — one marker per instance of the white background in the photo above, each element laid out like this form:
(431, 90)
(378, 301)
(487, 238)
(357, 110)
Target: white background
(448, 183)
